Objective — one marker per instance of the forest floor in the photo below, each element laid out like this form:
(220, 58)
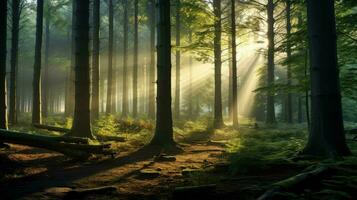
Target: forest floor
(142, 172)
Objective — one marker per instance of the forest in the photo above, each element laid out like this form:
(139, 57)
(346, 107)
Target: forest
(178, 99)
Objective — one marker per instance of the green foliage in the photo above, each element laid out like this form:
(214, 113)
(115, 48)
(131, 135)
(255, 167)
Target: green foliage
(255, 150)
(111, 125)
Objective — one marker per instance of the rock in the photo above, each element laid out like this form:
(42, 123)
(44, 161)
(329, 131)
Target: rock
(164, 158)
(148, 174)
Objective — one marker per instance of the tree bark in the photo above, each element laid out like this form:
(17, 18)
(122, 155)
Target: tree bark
(270, 112)
(95, 60)
(36, 97)
(81, 120)
(218, 117)
(69, 104)
(3, 49)
(125, 103)
(14, 60)
(152, 80)
(178, 61)
(327, 136)
(234, 66)
(190, 89)
(164, 131)
(110, 60)
(46, 82)
(289, 106)
(136, 52)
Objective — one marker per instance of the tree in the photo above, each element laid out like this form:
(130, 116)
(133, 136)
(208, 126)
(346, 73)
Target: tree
(289, 109)
(136, 49)
(164, 131)
(327, 136)
(95, 60)
(234, 66)
(270, 112)
(81, 120)
(16, 8)
(178, 60)
(218, 117)
(125, 103)
(69, 104)
(3, 36)
(109, 108)
(152, 24)
(36, 97)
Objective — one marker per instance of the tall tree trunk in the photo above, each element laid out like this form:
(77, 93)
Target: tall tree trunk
(300, 112)
(234, 66)
(152, 80)
(69, 104)
(289, 108)
(163, 132)
(3, 48)
(110, 59)
(327, 136)
(230, 79)
(95, 60)
(36, 97)
(136, 52)
(125, 103)
(46, 82)
(270, 112)
(14, 59)
(190, 86)
(218, 117)
(178, 61)
(81, 120)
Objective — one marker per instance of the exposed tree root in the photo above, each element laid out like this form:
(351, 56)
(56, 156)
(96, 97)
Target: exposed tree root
(297, 182)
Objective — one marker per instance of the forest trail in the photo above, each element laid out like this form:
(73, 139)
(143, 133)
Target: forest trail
(42, 173)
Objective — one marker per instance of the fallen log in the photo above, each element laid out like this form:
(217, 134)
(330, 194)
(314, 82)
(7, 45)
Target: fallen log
(53, 143)
(297, 182)
(101, 138)
(52, 128)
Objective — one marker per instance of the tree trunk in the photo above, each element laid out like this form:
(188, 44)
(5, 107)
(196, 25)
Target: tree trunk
(327, 136)
(289, 108)
(190, 89)
(125, 103)
(152, 80)
(218, 118)
(164, 131)
(300, 112)
(46, 82)
(3, 48)
(234, 66)
(230, 79)
(136, 51)
(36, 98)
(14, 59)
(69, 105)
(95, 60)
(270, 112)
(178, 61)
(81, 120)
(110, 60)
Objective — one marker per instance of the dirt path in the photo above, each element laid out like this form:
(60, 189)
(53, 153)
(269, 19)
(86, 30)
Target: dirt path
(133, 173)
